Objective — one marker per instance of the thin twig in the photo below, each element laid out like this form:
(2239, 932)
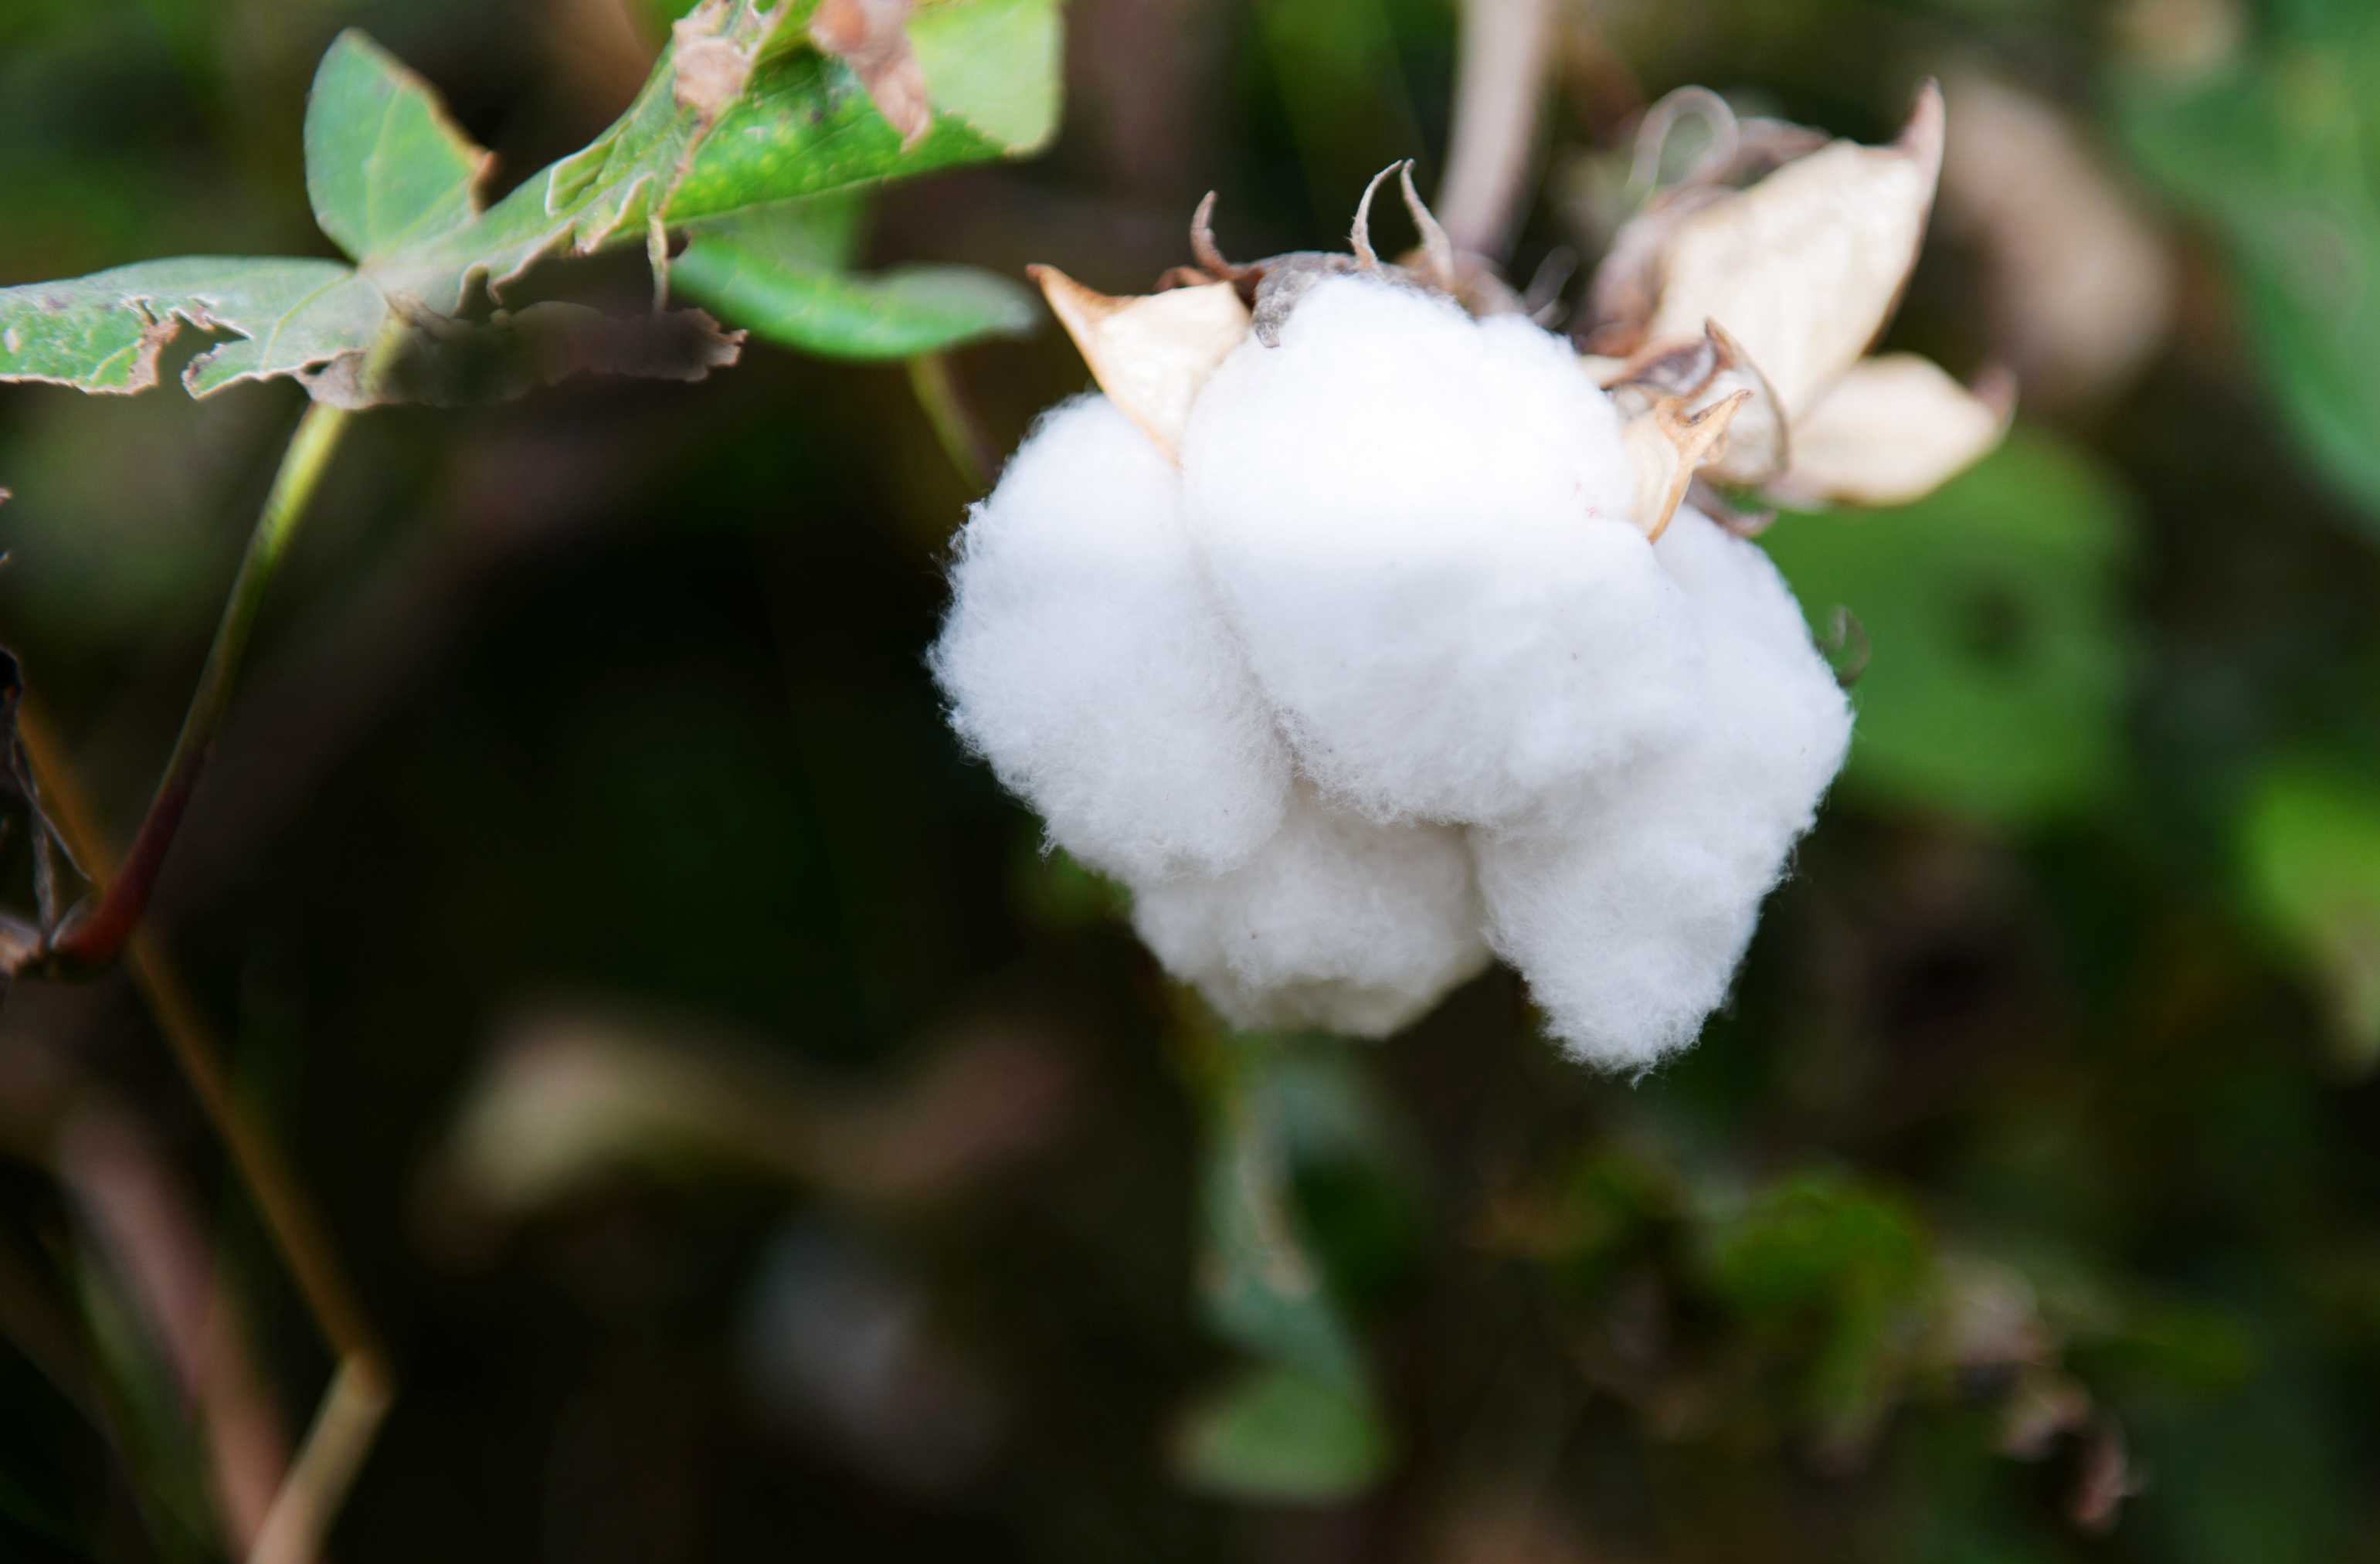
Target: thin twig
(289, 1215)
(97, 937)
(325, 1469)
(945, 407)
(1506, 50)
(136, 1207)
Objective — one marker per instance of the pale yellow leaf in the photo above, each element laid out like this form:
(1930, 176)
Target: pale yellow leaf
(1892, 430)
(1804, 268)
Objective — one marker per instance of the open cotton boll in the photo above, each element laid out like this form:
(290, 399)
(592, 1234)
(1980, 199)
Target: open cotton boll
(1628, 907)
(1083, 656)
(1338, 924)
(1415, 521)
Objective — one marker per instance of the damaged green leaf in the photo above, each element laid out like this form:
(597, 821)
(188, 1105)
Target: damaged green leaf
(740, 111)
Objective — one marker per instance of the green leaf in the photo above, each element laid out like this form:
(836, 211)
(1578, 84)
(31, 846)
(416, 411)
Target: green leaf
(2275, 151)
(1281, 1436)
(806, 126)
(384, 163)
(2310, 854)
(393, 183)
(904, 311)
(105, 332)
(1998, 654)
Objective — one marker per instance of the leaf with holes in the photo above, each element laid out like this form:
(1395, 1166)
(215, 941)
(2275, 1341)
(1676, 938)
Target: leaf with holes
(740, 111)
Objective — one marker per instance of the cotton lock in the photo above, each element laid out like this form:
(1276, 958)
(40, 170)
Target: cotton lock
(1364, 640)
(1384, 673)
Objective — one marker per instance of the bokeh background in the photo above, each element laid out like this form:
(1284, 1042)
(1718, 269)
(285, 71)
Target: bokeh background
(752, 1146)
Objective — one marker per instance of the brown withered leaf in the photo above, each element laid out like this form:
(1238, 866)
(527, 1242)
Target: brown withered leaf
(1891, 430)
(1805, 267)
(872, 37)
(445, 363)
(1151, 353)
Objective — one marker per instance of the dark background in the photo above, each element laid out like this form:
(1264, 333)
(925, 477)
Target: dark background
(752, 1146)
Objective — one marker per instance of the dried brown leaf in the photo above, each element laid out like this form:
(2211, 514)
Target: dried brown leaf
(1151, 353)
(444, 363)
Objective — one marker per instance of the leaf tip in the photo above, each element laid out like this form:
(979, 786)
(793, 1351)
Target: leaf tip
(1923, 137)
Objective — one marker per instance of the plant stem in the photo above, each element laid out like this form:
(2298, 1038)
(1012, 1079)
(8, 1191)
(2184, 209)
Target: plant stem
(938, 393)
(289, 1215)
(95, 939)
(325, 1469)
(1498, 95)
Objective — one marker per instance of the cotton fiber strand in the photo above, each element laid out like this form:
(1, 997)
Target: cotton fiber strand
(1338, 924)
(1418, 524)
(1628, 905)
(1084, 657)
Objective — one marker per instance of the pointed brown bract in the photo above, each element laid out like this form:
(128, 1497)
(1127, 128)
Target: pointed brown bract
(1667, 444)
(1151, 353)
(1703, 373)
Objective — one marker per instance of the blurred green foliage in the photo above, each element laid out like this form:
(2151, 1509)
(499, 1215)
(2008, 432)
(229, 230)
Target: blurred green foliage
(1996, 657)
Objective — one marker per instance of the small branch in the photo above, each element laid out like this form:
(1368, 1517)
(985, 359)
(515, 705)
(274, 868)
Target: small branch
(1506, 51)
(288, 1214)
(95, 939)
(945, 407)
(325, 1469)
(159, 1247)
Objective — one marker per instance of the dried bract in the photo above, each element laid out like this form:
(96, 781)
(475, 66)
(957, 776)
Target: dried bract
(1778, 289)
(1149, 354)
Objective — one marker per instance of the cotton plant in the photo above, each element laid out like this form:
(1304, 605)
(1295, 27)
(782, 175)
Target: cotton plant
(1366, 630)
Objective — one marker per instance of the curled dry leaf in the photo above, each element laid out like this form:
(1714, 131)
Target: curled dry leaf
(1892, 430)
(1710, 369)
(1149, 354)
(1769, 295)
(1805, 267)
(872, 37)
(1667, 444)
(440, 362)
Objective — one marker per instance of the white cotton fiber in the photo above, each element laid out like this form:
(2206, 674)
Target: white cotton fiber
(1629, 904)
(1083, 657)
(1418, 524)
(1338, 924)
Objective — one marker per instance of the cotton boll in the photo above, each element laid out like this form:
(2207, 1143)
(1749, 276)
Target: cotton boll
(1339, 924)
(1629, 906)
(1415, 521)
(1083, 656)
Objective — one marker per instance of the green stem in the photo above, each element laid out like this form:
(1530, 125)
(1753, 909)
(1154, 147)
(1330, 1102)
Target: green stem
(938, 394)
(94, 940)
